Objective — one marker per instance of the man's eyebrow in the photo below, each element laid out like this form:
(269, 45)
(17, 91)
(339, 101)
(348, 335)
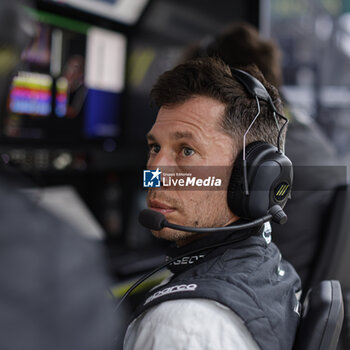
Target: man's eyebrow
(177, 135)
(182, 134)
(150, 137)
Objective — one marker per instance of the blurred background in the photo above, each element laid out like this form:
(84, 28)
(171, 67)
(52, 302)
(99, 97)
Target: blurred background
(78, 108)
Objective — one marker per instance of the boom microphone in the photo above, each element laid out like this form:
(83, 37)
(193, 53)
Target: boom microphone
(155, 220)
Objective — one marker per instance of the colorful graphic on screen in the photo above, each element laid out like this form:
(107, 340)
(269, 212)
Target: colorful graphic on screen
(31, 94)
(61, 97)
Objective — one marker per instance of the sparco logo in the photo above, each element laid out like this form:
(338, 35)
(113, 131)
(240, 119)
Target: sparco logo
(173, 289)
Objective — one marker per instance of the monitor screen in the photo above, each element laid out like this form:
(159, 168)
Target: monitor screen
(70, 83)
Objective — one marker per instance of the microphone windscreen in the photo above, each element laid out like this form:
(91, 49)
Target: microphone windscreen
(152, 219)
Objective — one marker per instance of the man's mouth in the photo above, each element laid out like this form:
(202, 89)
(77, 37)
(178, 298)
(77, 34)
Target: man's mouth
(160, 207)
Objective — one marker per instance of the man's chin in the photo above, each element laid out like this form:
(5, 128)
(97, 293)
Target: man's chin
(181, 238)
(171, 234)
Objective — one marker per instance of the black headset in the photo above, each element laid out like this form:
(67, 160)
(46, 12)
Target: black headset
(262, 174)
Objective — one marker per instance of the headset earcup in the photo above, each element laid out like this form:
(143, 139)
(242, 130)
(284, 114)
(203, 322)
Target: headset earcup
(269, 173)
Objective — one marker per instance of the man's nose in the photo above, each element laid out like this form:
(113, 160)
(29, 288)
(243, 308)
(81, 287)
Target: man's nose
(162, 159)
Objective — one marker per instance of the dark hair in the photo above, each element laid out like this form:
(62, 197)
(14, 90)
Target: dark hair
(238, 45)
(211, 77)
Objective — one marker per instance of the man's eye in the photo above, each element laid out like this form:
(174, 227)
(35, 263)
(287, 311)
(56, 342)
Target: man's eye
(154, 148)
(187, 152)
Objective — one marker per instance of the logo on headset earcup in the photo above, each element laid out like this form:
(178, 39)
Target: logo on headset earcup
(281, 191)
(269, 175)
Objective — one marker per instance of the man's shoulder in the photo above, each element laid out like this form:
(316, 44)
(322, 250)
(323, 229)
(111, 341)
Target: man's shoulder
(247, 271)
(259, 257)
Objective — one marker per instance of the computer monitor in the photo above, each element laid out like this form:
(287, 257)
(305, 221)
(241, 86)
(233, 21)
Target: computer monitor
(69, 86)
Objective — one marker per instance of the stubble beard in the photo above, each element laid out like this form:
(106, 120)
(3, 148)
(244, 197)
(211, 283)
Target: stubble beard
(207, 214)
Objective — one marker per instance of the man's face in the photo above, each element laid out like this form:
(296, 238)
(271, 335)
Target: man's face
(189, 135)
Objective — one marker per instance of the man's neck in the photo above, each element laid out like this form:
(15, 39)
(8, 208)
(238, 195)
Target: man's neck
(187, 240)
